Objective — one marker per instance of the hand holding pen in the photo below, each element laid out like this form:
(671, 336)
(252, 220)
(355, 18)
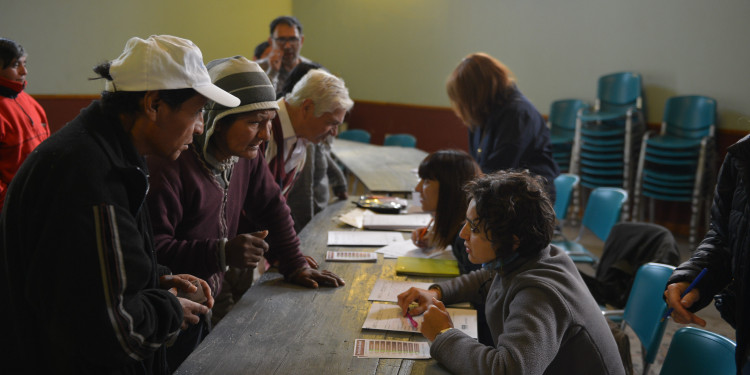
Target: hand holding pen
(420, 237)
(680, 298)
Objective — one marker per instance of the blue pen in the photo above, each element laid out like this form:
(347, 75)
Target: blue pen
(689, 288)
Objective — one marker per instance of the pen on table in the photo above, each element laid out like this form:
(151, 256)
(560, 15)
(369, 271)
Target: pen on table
(689, 288)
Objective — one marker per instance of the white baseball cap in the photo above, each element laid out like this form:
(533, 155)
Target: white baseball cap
(164, 62)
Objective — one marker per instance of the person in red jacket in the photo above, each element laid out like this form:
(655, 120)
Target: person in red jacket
(23, 123)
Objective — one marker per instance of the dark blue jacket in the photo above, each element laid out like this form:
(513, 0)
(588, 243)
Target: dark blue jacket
(515, 136)
(725, 250)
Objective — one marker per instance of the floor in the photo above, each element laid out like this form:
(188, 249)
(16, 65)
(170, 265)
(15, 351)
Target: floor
(714, 322)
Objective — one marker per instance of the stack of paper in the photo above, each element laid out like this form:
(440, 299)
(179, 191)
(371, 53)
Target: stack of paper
(345, 238)
(406, 248)
(396, 222)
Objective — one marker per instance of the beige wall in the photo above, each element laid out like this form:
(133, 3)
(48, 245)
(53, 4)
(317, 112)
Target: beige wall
(402, 51)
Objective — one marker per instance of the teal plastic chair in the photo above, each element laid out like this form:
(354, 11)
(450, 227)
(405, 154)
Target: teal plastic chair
(565, 183)
(645, 307)
(603, 211)
(607, 137)
(562, 124)
(357, 135)
(403, 140)
(677, 164)
(695, 351)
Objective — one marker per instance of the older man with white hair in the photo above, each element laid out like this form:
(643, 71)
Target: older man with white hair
(311, 112)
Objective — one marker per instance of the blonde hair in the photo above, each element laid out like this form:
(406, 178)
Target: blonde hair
(479, 83)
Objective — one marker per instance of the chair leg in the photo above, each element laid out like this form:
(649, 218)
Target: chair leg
(651, 210)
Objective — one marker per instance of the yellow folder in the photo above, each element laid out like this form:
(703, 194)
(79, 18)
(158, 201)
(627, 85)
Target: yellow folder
(426, 266)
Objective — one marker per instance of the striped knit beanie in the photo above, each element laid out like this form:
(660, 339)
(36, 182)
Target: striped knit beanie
(242, 78)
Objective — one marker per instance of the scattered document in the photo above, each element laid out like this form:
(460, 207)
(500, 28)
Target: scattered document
(351, 256)
(388, 317)
(349, 238)
(367, 348)
(396, 222)
(355, 217)
(388, 290)
(406, 248)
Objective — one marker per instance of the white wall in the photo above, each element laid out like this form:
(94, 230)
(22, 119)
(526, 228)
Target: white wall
(401, 51)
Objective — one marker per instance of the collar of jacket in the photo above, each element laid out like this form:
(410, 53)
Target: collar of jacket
(741, 149)
(109, 133)
(11, 89)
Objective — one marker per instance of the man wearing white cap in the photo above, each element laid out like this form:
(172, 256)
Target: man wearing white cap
(79, 280)
(197, 200)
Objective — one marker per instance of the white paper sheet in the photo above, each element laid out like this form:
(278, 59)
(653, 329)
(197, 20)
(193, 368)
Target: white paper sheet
(367, 348)
(388, 317)
(374, 238)
(406, 248)
(396, 222)
(388, 290)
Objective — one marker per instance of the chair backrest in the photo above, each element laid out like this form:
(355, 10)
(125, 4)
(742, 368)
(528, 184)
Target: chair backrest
(403, 140)
(690, 116)
(564, 185)
(357, 135)
(563, 113)
(645, 306)
(619, 91)
(697, 351)
(603, 210)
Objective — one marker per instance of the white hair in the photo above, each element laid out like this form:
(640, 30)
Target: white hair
(326, 91)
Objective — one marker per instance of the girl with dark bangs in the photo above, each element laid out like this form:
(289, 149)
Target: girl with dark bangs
(442, 176)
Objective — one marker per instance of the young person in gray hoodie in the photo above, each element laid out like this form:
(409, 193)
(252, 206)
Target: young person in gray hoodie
(540, 313)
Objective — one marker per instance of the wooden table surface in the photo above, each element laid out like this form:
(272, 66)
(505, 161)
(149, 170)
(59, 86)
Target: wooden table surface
(281, 328)
(382, 169)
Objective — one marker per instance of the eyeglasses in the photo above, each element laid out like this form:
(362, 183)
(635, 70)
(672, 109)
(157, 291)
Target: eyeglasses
(473, 225)
(284, 40)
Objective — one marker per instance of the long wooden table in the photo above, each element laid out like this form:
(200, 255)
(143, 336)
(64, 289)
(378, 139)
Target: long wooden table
(382, 169)
(280, 328)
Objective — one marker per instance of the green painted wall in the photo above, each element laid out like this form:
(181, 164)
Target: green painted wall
(402, 51)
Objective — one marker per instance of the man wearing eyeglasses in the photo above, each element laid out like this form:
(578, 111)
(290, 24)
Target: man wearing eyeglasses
(286, 42)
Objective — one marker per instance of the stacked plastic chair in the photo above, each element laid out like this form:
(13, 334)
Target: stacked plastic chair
(403, 140)
(607, 138)
(562, 125)
(677, 165)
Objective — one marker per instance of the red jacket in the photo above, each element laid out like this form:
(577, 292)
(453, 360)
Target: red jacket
(23, 126)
